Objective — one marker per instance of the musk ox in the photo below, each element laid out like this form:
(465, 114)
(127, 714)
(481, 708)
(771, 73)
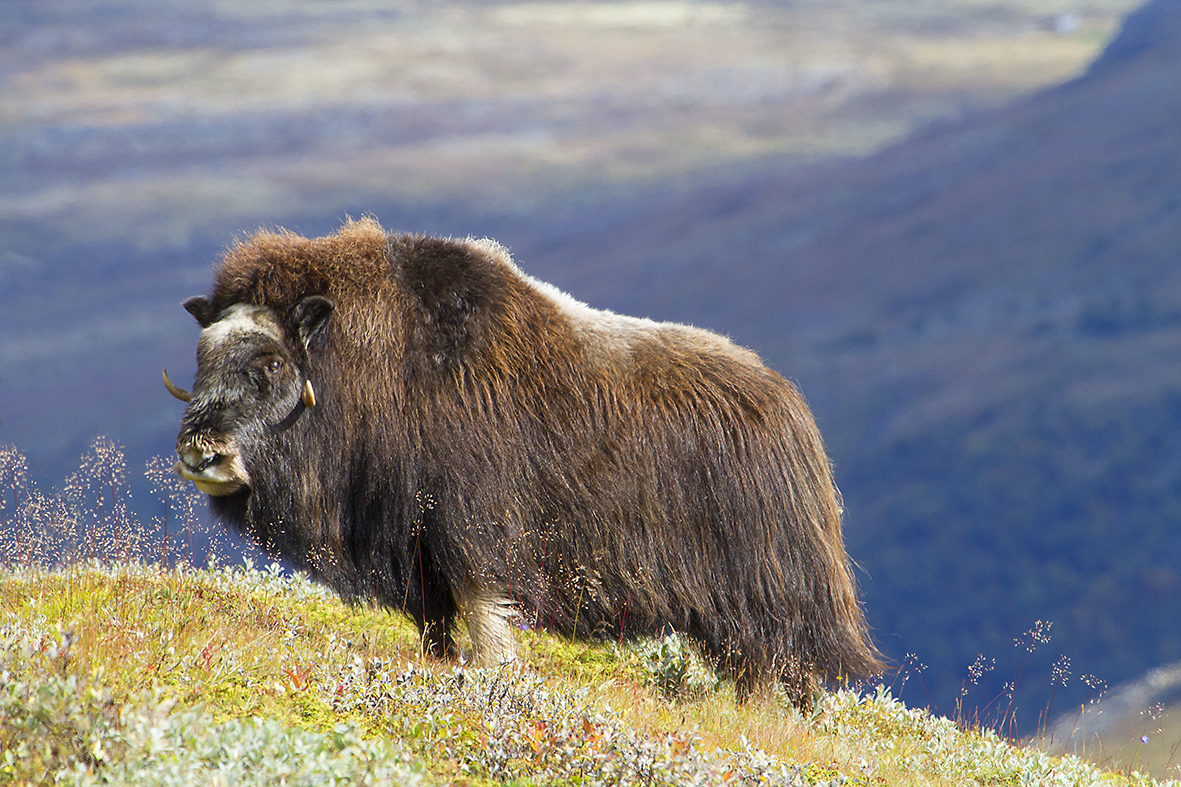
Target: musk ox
(416, 421)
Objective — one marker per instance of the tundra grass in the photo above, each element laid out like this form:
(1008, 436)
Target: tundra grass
(132, 674)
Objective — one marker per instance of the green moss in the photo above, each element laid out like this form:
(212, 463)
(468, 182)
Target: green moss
(587, 662)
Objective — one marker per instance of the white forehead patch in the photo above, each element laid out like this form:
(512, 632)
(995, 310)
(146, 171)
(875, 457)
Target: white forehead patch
(239, 319)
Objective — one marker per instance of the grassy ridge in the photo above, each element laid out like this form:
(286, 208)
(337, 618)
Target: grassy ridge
(131, 674)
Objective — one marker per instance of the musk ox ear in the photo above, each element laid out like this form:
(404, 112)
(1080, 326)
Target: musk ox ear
(202, 309)
(311, 317)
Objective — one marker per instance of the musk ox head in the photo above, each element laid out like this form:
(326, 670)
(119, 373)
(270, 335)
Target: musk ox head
(252, 380)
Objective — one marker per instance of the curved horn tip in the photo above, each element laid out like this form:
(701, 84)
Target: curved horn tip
(179, 393)
(309, 395)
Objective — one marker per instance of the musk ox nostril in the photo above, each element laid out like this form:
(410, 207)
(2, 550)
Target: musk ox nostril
(197, 460)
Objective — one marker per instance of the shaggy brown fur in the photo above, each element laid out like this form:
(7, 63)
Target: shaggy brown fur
(484, 446)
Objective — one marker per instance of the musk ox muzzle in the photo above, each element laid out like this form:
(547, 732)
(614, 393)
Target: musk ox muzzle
(217, 470)
(488, 449)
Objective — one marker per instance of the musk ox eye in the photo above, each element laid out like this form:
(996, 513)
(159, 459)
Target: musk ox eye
(274, 365)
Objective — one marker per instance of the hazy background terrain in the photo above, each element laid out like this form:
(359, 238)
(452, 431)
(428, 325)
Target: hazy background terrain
(956, 225)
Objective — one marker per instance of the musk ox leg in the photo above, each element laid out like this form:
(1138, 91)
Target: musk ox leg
(801, 690)
(755, 675)
(436, 638)
(802, 687)
(488, 618)
(750, 683)
(429, 604)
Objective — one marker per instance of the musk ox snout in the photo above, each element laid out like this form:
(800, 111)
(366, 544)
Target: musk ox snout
(208, 451)
(216, 473)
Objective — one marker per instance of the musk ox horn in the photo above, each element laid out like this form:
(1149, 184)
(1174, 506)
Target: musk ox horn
(306, 400)
(179, 393)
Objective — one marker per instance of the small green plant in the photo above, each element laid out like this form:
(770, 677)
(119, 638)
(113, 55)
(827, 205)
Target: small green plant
(675, 667)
